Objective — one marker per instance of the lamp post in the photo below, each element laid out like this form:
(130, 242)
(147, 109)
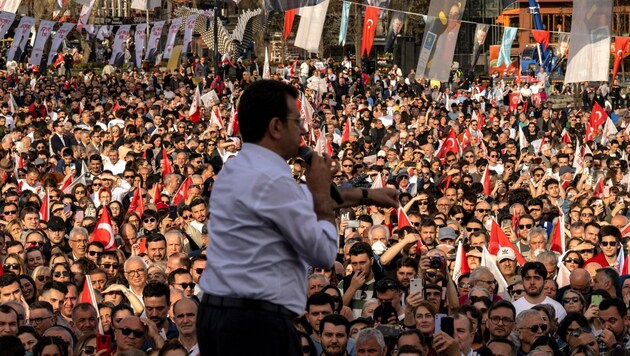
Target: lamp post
(217, 7)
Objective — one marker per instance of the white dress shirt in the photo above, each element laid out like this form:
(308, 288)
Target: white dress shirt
(264, 232)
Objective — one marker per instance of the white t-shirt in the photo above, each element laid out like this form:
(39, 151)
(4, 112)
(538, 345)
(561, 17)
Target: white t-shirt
(523, 304)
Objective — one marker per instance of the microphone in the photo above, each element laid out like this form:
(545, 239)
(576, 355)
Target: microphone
(306, 153)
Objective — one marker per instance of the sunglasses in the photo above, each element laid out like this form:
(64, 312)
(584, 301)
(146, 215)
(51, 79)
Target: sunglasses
(33, 243)
(62, 273)
(570, 300)
(572, 260)
(483, 210)
(10, 266)
(94, 253)
(608, 243)
(199, 270)
(525, 226)
(517, 291)
(12, 212)
(581, 252)
(136, 333)
(80, 192)
(188, 216)
(473, 229)
(149, 220)
(190, 285)
(423, 202)
(535, 328)
(42, 278)
(110, 265)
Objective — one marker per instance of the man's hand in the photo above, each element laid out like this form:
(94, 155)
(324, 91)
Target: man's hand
(445, 345)
(608, 337)
(385, 197)
(358, 280)
(319, 180)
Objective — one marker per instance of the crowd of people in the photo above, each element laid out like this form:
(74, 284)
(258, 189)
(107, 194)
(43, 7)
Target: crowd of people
(394, 288)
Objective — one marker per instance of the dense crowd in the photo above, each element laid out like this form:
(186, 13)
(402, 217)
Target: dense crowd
(463, 157)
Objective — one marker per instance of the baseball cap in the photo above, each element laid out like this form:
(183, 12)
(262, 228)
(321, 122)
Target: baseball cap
(447, 233)
(56, 223)
(504, 253)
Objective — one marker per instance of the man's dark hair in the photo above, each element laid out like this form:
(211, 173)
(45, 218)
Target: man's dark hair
(360, 248)
(5, 309)
(259, 104)
(155, 238)
(537, 267)
(611, 274)
(609, 230)
(198, 201)
(54, 285)
(122, 306)
(7, 279)
(171, 276)
(336, 320)
(502, 304)
(157, 290)
(320, 299)
(385, 284)
(40, 304)
(406, 262)
(11, 345)
(107, 254)
(366, 218)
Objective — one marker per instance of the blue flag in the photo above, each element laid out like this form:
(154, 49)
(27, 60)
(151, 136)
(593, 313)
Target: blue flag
(506, 44)
(343, 29)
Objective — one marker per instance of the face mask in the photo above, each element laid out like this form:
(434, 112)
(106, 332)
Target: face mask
(379, 247)
(28, 353)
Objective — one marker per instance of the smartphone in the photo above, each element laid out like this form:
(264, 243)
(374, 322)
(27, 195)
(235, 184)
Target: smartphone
(386, 311)
(438, 322)
(73, 166)
(506, 224)
(142, 243)
(103, 342)
(447, 324)
(78, 215)
(596, 299)
(415, 285)
(67, 208)
(353, 224)
(172, 212)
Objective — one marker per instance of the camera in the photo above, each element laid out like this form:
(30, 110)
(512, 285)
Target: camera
(436, 262)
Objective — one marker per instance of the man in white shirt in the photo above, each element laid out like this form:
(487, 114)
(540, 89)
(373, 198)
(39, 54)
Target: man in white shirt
(115, 165)
(534, 275)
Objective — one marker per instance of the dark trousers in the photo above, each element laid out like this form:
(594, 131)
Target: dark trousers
(241, 332)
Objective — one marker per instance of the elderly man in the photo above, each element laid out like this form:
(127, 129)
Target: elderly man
(78, 242)
(529, 326)
(506, 261)
(136, 274)
(185, 316)
(482, 277)
(537, 241)
(132, 331)
(84, 319)
(371, 342)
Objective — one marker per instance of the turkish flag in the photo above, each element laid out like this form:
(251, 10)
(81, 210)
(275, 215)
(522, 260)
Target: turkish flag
(345, 136)
(59, 60)
(565, 136)
(515, 98)
(182, 193)
(589, 133)
(557, 237)
(157, 196)
(44, 210)
(599, 188)
(536, 98)
(499, 240)
(289, 16)
(485, 181)
(166, 165)
(542, 37)
(450, 144)
(233, 125)
(621, 44)
(116, 107)
(369, 29)
(137, 203)
(88, 296)
(104, 233)
(598, 116)
(195, 108)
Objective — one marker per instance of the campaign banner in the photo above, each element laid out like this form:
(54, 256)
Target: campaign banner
(440, 39)
(395, 29)
(20, 38)
(45, 27)
(480, 38)
(589, 53)
(343, 28)
(138, 39)
(154, 41)
(120, 45)
(85, 15)
(58, 38)
(509, 33)
(188, 32)
(172, 34)
(6, 20)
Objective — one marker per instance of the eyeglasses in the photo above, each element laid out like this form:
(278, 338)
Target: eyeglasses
(608, 243)
(463, 284)
(535, 328)
(61, 273)
(33, 321)
(10, 266)
(423, 202)
(79, 192)
(110, 265)
(525, 226)
(572, 260)
(135, 272)
(190, 285)
(498, 320)
(96, 184)
(581, 252)
(43, 278)
(570, 300)
(10, 212)
(149, 220)
(94, 253)
(136, 333)
(534, 209)
(129, 177)
(586, 215)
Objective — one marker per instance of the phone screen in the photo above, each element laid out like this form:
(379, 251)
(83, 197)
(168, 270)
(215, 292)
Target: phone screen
(103, 342)
(142, 243)
(596, 300)
(448, 325)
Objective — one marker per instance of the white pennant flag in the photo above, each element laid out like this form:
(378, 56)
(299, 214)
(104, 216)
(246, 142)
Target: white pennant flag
(11, 5)
(609, 129)
(20, 38)
(58, 38)
(378, 181)
(45, 27)
(172, 34)
(138, 38)
(309, 33)
(188, 32)
(154, 41)
(145, 5)
(266, 70)
(488, 261)
(522, 141)
(85, 15)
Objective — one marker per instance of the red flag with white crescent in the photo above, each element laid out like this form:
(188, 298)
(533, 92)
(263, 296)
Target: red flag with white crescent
(598, 116)
(166, 164)
(515, 98)
(485, 180)
(499, 240)
(104, 233)
(450, 144)
(182, 193)
(621, 44)
(599, 188)
(194, 113)
(137, 203)
(369, 29)
(565, 136)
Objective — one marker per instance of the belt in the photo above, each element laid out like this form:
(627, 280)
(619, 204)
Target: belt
(247, 304)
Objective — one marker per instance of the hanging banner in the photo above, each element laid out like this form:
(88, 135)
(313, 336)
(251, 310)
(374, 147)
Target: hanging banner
(104, 32)
(85, 15)
(440, 38)
(188, 32)
(589, 53)
(20, 38)
(154, 41)
(58, 38)
(395, 29)
(509, 33)
(138, 39)
(6, 20)
(172, 34)
(309, 33)
(145, 5)
(621, 44)
(10, 5)
(284, 5)
(45, 27)
(289, 16)
(480, 38)
(343, 29)
(370, 21)
(120, 45)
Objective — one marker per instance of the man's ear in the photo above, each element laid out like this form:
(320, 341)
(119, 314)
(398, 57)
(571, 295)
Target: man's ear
(274, 129)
